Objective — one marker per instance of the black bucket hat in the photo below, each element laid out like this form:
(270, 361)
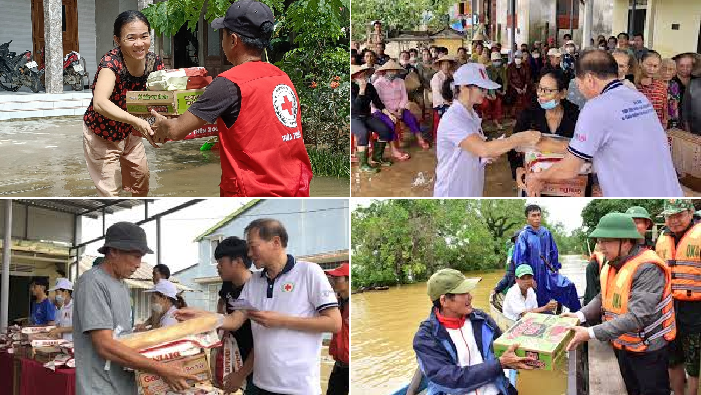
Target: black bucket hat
(125, 236)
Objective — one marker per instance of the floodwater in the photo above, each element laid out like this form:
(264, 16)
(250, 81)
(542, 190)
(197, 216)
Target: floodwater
(44, 157)
(384, 324)
(415, 177)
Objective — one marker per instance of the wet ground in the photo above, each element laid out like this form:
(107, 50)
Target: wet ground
(44, 157)
(415, 177)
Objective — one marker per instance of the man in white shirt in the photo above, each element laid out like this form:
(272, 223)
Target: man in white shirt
(292, 305)
(64, 319)
(521, 298)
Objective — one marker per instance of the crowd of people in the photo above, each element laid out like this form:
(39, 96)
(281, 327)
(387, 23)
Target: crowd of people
(540, 88)
(642, 297)
(282, 328)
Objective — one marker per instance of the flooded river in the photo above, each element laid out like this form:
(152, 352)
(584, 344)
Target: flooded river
(44, 157)
(384, 324)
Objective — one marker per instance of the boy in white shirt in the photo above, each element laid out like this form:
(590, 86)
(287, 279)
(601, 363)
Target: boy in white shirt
(521, 298)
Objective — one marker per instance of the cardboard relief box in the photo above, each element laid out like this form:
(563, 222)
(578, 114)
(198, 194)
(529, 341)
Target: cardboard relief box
(164, 102)
(686, 152)
(542, 336)
(197, 365)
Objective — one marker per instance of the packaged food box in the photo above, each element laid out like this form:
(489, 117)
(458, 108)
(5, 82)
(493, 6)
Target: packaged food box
(29, 330)
(541, 336)
(152, 384)
(686, 152)
(164, 102)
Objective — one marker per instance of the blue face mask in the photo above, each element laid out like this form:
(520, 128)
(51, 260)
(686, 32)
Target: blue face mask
(548, 105)
(496, 64)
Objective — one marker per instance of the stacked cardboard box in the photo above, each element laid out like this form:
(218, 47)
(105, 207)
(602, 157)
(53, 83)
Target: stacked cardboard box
(686, 152)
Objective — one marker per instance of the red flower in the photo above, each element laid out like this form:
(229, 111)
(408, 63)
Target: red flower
(313, 85)
(334, 85)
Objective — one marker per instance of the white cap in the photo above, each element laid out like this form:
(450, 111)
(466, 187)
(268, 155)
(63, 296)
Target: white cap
(474, 74)
(570, 42)
(62, 283)
(495, 56)
(165, 287)
(554, 52)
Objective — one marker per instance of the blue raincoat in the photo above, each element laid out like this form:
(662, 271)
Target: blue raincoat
(537, 249)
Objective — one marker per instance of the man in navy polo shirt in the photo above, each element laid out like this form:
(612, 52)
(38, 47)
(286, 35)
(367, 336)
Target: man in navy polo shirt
(619, 132)
(292, 305)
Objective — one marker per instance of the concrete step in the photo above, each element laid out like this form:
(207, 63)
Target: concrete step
(21, 105)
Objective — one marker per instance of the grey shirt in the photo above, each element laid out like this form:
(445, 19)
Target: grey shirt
(101, 302)
(646, 294)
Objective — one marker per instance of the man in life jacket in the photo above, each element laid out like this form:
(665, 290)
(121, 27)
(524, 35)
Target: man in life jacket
(637, 305)
(256, 109)
(644, 223)
(680, 246)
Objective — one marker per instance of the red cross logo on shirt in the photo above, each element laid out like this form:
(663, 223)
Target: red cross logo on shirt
(287, 105)
(288, 287)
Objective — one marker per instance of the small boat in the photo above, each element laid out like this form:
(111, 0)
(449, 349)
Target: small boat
(510, 374)
(496, 301)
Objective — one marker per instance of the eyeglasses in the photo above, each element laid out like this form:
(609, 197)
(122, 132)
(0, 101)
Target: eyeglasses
(540, 89)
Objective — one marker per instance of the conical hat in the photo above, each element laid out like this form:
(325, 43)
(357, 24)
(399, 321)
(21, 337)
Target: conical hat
(359, 68)
(391, 65)
(446, 58)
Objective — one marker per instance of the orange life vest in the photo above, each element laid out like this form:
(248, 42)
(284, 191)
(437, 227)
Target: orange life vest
(616, 288)
(684, 261)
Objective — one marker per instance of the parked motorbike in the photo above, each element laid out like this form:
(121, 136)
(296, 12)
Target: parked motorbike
(73, 71)
(18, 70)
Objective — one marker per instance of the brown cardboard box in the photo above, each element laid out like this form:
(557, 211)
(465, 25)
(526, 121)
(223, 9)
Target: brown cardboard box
(151, 384)
(164, 102)
(686, 152)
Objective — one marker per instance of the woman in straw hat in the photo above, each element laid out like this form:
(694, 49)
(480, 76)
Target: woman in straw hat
(462, 148)
(392, 92)
(446, 65)
(362, 122)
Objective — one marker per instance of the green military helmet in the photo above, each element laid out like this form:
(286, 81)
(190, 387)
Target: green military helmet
(616, 226)
(638, 212)
(676, 206)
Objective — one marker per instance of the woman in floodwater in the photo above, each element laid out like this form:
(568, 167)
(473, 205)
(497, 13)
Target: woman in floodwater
(112, 136)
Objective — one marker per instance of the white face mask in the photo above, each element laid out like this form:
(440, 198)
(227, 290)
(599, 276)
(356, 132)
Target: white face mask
(536, 55)
(569, 50)
(157, 308)
(518, 60)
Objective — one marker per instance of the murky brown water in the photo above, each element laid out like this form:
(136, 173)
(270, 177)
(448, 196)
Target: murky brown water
(44, 157)
(384, 323)
(415, 177)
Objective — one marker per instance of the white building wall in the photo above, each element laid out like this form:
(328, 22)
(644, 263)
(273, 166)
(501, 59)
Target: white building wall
(16, 24)
(86, 35)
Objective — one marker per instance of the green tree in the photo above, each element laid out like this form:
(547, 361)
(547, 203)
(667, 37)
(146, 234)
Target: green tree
(597, 208)
(400, 14)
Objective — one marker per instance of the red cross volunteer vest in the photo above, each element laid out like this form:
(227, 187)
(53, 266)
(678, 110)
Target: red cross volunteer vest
(263, 153)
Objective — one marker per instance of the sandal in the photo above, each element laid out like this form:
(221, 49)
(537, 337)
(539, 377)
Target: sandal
(400, 156)
(423, 144)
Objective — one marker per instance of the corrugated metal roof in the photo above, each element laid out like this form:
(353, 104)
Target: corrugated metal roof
(142, 277)
(82, 206)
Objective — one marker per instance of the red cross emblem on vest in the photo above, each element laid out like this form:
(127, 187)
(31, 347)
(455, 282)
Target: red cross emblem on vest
(285, 105)
(288, 287)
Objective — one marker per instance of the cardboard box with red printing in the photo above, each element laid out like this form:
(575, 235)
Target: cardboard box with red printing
(197, 365)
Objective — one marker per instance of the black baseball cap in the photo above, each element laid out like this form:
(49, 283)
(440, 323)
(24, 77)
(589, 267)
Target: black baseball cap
(245, 17)
(125, 236)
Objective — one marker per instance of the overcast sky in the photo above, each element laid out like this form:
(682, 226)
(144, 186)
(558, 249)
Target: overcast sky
(178, 230)
(564, 210)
